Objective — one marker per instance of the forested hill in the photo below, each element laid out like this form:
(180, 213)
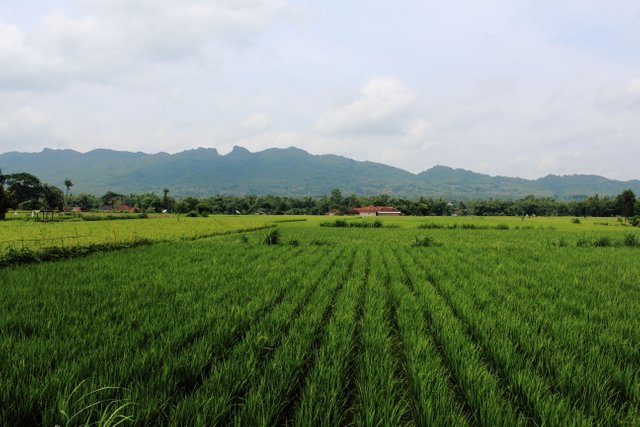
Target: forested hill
(289, 171)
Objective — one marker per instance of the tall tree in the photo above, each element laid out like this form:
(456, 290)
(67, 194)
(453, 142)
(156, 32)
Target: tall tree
(68, 184)
(626, 202)
(52, 198)
(110, 198)
(4, 201)
(25, 189)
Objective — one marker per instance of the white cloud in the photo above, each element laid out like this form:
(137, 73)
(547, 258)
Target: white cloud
(379, 108)
(634, 88)
(109, 37)
(257, 122)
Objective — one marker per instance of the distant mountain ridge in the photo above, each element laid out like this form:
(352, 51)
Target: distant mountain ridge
(288, 171)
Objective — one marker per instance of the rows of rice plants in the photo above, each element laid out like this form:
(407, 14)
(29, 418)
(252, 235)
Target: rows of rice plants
(40, 235)
(350, 326)
(591, 380)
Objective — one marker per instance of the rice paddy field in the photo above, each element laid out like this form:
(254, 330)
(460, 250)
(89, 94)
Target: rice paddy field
(413, 321)
(39, 235)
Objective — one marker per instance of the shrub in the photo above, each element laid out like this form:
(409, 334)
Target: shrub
(561, 242)
(502, 227)
(602, 242)
(273, 238)
(430, 225)
(320, 243)
(635, 221)
(192, 214)
(337, 223)
(575, 221)
(630, 240)
(583, 242)
(294, 242)
(244, 238)
(424, 242)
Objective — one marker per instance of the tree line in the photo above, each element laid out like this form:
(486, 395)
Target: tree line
(25, 191)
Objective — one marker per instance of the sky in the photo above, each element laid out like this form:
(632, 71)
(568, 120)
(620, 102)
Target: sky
(504, 87)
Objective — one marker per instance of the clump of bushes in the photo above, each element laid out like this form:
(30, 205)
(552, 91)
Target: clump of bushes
(273, 238)
(575, 221)
(630, 240)
(431, 226)
(321, 243)
(561, 242)
(602, 242)
(18, 256)
(425, 242)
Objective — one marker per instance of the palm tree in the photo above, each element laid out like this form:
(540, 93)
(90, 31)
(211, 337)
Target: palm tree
(68, 184)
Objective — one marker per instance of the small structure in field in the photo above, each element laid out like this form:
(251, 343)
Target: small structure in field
(125, 208)
(377, 211)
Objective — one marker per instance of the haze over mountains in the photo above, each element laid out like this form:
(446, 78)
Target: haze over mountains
(290, 171)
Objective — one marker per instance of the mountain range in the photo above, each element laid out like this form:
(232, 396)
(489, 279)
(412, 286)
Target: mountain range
(290, 171)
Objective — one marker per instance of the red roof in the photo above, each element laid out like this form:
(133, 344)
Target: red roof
(375, 209)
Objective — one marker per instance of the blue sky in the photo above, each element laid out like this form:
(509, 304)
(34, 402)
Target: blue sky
(519, 88)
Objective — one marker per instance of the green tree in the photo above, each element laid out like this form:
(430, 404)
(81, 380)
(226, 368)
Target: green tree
(4, 200)
(166, 203)
(86, 202)
(626, 202)
(52, 198)
(68, 184)
(335, 199)
(25, 190)
(110, 199)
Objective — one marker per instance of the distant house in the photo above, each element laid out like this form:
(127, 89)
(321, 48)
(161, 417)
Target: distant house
(76, 209)
(125, 208)
(377, 211)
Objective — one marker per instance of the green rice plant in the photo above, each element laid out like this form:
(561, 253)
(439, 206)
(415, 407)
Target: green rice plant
(95, 407)
(330, 385)
(353, 327)
(380, 398)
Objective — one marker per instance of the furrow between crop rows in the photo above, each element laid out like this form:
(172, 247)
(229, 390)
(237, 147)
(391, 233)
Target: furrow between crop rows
(325, 394)
(221, 394)
(276, 398)
(482, 389)
(521, 385)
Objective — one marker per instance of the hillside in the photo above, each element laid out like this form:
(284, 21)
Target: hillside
(289, 171)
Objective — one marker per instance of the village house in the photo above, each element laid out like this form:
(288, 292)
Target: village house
(377, 211)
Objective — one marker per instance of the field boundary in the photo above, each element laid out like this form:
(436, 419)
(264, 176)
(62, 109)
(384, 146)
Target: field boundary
(20, 256)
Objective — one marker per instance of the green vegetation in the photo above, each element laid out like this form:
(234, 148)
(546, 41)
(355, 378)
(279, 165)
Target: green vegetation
(501, 323)
(39, 236)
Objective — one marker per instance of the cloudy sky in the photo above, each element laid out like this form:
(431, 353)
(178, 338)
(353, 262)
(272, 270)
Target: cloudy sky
(519, 88)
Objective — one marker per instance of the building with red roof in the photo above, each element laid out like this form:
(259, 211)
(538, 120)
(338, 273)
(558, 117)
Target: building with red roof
(377, 211)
